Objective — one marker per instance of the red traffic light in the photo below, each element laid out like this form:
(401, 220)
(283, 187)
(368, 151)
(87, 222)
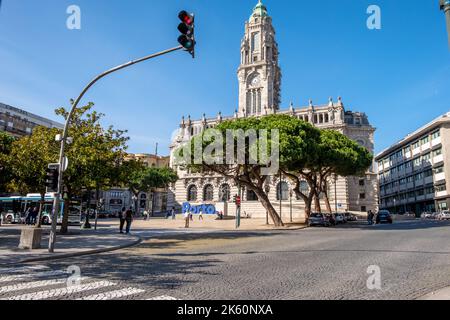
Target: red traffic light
(186, 18)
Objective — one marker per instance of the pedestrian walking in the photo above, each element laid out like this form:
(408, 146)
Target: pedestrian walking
(146, 217)
(200, 216)
(122, 218)
(173, 214)
(28, 216)
(129, 219)
(34, 215)
(187, 216)
(370, 217)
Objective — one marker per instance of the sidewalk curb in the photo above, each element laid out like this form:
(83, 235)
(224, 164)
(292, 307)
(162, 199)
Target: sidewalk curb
(137, 241)
(442, 294)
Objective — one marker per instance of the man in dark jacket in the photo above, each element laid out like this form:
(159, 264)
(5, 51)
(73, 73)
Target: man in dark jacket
(122, 218)
(129, 219)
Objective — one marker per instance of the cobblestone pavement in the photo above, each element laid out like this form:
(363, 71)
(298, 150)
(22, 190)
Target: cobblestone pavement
(318, 263)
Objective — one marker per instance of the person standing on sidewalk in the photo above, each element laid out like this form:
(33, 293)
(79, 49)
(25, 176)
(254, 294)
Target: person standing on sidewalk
(187, 217)
(122, 218)
(129, 219)
(173, 214)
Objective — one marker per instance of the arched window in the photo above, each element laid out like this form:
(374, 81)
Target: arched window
(306, 119)
(208, 193)
(251, 195)
(282, 191)
(327, 118)
(224, 193)
(192, 193)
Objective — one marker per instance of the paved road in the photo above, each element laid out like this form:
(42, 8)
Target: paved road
(413, 257)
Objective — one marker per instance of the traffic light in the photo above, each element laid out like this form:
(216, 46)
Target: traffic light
(237, 200)
(51, 179)
(187, 28)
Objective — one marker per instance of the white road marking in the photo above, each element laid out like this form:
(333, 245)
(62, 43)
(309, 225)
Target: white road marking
(31, 285)
(113, 294)
(161, 298)
(22, 269)
(32, 275)
(48, 294)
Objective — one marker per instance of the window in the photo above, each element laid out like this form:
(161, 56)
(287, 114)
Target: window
(282, 191)
(255, 43)
(426, 157)
(362, 196)
(425, 140)
(402, 181)
(428, 173)
(435, 135)
(251, 195)
(419, 176)
(362, 182)
(416, 145)
(401, 167)
(420, 192)
(363, 209)
(439, 170)
(429, 190)
(208, 193)
(441, 188)
(192, 193)
(417, 162)
(399, 154)
(408, 164)
(437, 152)
(224, 193)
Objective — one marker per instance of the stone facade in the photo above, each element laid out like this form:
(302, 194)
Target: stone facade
(259, 79)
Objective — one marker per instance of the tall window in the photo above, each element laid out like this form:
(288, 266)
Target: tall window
(192, 193)
(255, 41)
(282, 191)
(224, 193)
(251, 195)
(259, 101)
(208, 193)
(249, 102)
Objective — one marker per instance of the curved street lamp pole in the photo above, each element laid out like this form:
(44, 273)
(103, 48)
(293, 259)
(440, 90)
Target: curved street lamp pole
(57, 200)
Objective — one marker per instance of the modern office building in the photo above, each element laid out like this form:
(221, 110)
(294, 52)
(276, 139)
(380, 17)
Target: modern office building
(414, 173)
(19, 123)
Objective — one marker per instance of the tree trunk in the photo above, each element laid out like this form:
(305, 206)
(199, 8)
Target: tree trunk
(270, 209)
(317, 203)
(65, 221)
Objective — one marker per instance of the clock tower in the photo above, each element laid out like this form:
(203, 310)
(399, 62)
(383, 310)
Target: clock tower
(259, 74)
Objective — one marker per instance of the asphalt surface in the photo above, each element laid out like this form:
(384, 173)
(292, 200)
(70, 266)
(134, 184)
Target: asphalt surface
(413, 258)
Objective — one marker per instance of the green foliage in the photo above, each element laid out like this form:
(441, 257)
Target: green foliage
(6, 142)
(29, 158)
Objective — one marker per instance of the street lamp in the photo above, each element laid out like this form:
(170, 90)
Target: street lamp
(445, 6)
(52, 238)
(267, 190)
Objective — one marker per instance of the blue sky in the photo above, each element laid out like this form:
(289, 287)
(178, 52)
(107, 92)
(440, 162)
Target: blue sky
(398, 75)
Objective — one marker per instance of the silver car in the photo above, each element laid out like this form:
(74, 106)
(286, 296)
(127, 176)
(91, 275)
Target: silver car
(445, 215)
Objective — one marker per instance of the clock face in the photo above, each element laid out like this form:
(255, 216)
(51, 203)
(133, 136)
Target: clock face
(255, 81)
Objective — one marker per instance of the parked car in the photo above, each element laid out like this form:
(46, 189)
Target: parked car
(426, 215)
(319, 219)
(445, 215)
(384, 216)
(435, 215)
(350, 217)
(340, 218)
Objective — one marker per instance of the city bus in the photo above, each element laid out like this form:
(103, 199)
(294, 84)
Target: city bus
(13, 209)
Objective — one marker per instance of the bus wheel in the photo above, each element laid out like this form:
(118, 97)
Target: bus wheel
(45, 221)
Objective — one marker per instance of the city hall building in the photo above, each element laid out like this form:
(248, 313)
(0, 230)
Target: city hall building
(413, 174)
(259, 77)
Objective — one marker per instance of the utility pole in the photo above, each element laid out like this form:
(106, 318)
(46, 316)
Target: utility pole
(445, 6)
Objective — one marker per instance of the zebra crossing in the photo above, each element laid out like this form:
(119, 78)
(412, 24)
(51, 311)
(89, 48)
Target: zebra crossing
(40, 282)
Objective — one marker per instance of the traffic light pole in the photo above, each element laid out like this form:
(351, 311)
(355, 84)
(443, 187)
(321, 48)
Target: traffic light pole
(57, 200)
